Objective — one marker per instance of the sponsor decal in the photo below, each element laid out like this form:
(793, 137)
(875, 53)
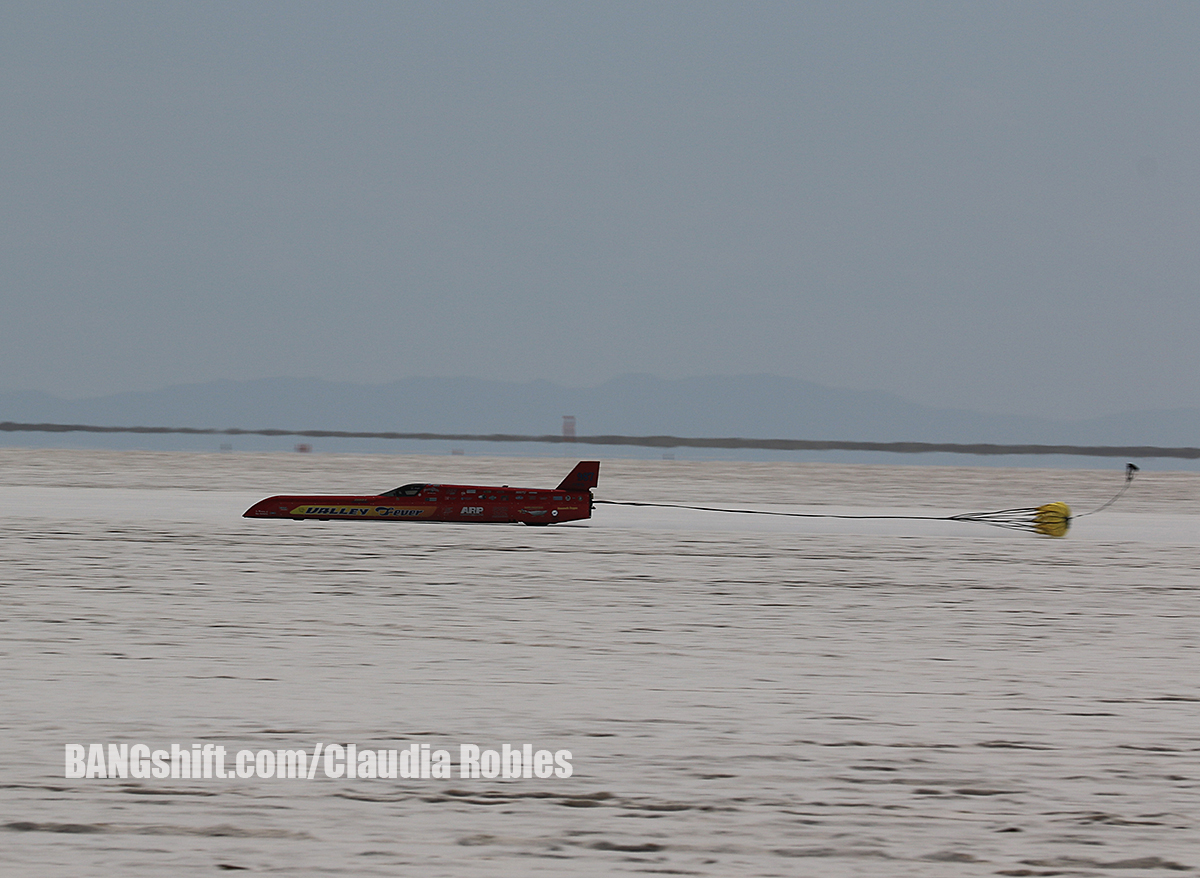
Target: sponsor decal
(364, 511)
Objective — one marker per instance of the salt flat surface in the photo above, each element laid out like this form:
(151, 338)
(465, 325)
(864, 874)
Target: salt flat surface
(742, 694)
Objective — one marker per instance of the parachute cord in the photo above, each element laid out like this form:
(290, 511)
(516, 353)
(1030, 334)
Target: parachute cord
(766, 512)
(1052, 519)
(1130, 469)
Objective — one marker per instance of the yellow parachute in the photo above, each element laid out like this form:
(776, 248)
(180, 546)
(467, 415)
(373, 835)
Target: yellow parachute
(1053, 519)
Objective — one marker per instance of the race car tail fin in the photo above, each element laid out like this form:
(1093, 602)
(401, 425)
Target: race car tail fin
(583, 478)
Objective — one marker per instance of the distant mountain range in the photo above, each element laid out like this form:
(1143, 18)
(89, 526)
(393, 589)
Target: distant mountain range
(752, 406)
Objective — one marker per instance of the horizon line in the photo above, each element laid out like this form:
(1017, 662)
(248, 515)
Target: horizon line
(976, 448)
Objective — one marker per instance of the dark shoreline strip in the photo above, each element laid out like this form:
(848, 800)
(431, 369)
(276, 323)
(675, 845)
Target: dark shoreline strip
(648, 441)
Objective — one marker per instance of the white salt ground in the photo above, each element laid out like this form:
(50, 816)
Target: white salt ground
(742, 695)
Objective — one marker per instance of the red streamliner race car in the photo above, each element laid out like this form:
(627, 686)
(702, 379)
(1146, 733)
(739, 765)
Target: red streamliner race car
(570, 501)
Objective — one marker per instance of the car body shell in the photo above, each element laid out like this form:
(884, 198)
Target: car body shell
(570, 501)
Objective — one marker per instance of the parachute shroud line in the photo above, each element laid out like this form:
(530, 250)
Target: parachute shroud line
(1049, 519)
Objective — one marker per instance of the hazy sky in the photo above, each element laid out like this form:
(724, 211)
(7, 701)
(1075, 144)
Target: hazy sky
(983, 205)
